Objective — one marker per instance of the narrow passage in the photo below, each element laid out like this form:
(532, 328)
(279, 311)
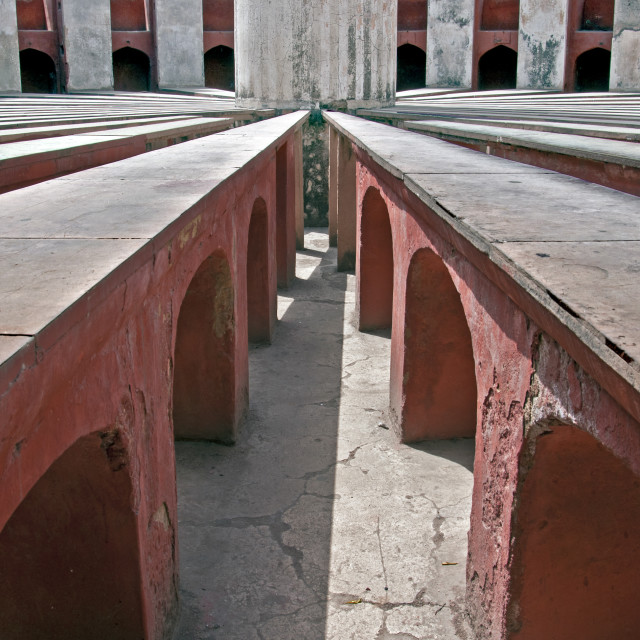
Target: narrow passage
(317, 524)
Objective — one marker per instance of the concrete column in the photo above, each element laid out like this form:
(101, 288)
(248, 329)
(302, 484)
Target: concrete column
(86, 37)
(542, 40)
(327, 53)
(450, 43)
(10, 67)
(179, 47)
(625, 47)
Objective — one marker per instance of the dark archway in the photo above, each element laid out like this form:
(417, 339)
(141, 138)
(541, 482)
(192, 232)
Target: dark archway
(204, 369)
(497, 69)
(439, 380)
(375, 269)
(131, 70)
(219, 70)
(592, 70)
(258, 308)
(412, 68)
(37, 72)
(500, 15)
(576, 548)
(70, 558)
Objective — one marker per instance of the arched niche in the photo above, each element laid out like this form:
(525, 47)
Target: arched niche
(576, 548)
(439, 383)
(412, 68)
(204, 359)
(592, 70)
(219, 70)
(375, 269)
(37, 72)
(258, 308)
(70, 558)
(497, 69)
(131, 70)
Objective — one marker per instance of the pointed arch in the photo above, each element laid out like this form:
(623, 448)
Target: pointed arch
(576, 548)
(439, 383)
(592, 70)
(131, 70)
(219, 68)
(37, 72)
(375, 264)
(204, 363)
(258, 307)
(412, 68)
(70, 558)
(497, 69)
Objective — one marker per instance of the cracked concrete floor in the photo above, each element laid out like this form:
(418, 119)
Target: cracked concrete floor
(317, 524)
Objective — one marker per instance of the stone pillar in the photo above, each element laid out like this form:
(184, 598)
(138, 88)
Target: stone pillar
(315, 53)
(179, 47)
(450, 43)
(10, 67)
(542, 40)
(86, 38)
(625, 47)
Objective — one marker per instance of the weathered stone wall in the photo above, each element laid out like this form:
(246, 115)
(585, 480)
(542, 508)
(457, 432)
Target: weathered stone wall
(449, 43)
(339, 53)
(10, 67)
(86, 36)
(542, 44)
(179, 45)
(625, 47)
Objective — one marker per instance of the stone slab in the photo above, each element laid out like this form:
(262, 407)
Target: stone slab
(589, 148)
(63, 238)
(40, 279)
(597, 280)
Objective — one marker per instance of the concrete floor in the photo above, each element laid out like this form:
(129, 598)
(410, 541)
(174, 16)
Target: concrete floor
(317, 524)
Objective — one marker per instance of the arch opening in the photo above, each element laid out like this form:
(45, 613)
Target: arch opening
(412, 68)
(576, 547)
(375, 290)
(500, 15)
(258, 310)
(219, 69)
(70, 559)
(597, 15)
(37, 72)
(131, 70)
(204, 364)
(439, 381)
(592, 70)
(497, 69)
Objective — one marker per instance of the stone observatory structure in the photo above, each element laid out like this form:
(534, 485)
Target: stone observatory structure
(324, 53)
